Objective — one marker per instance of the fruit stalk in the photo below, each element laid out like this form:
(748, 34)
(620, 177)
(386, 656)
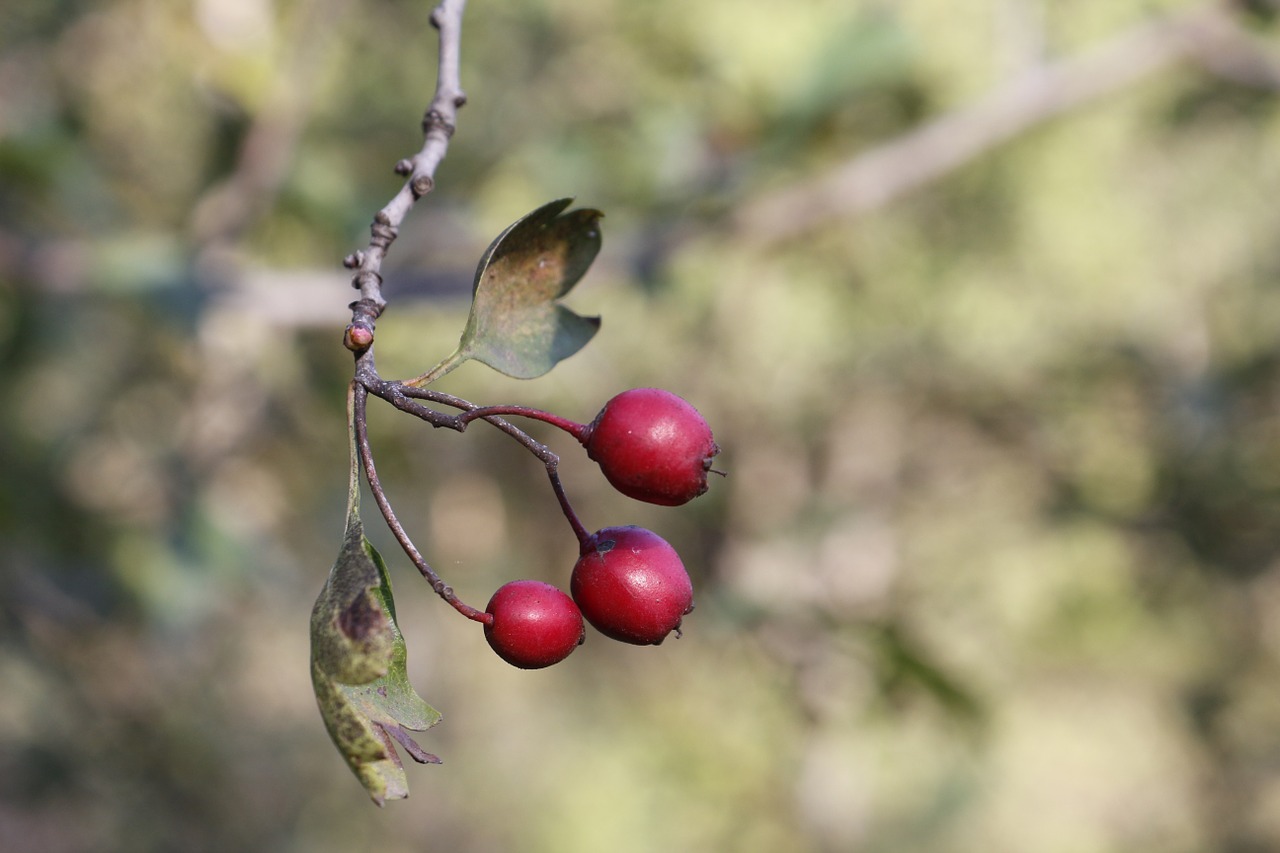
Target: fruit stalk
(575, 429)
(441, 588)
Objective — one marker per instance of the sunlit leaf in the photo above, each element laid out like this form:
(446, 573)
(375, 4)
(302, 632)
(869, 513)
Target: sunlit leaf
(517, 325)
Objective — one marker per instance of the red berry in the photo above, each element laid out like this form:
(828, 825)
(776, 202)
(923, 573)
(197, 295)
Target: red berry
(534, 624)
(631, 585)
(652, 446)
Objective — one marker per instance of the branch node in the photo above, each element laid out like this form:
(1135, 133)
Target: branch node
(384, 233)
(435, 120)
(404, 168)
(460, 100)
(353, 261)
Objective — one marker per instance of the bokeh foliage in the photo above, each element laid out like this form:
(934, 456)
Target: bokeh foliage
(996, 563)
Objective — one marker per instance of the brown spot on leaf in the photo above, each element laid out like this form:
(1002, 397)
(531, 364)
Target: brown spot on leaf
(361, 618)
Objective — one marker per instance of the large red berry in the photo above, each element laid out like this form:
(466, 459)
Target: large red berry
(631, 585)
(652, 446)
(534, 624)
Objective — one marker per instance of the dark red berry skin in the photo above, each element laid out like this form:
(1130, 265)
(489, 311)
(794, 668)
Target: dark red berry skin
(631, 586)
(652, 446)
(534, 624)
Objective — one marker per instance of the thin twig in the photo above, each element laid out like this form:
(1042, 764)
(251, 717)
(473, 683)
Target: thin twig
(438, 124)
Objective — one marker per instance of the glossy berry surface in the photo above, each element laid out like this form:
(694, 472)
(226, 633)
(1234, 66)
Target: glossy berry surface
(534, 624)
(652, 446)
(631, 586)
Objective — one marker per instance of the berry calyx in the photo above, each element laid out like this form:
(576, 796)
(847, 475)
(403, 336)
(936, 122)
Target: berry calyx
(534, 624)
(631, 586)
(652, 446)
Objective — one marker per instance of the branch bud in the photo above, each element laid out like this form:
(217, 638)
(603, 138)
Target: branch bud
(358, 337)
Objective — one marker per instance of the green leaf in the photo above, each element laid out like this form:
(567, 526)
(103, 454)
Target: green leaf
(358, 658)
(517, 325)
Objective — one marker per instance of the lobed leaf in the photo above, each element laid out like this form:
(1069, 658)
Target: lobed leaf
(517, 325)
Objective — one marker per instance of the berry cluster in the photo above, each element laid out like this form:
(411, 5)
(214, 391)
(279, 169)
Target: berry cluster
(629, 583)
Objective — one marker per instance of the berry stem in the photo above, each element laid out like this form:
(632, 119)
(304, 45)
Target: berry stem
(487, 413)
(577, 430)
(380, 497)
(404, 397)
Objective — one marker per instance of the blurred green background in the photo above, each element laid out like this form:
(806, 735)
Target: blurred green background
(995, 567)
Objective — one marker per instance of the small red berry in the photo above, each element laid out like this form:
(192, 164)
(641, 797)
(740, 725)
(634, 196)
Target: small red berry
(631, 585)
(652, 446)
(534, 624)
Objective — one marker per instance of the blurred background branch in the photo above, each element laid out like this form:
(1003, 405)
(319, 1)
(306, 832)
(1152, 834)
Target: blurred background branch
(227, 208)
(1208, 34)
